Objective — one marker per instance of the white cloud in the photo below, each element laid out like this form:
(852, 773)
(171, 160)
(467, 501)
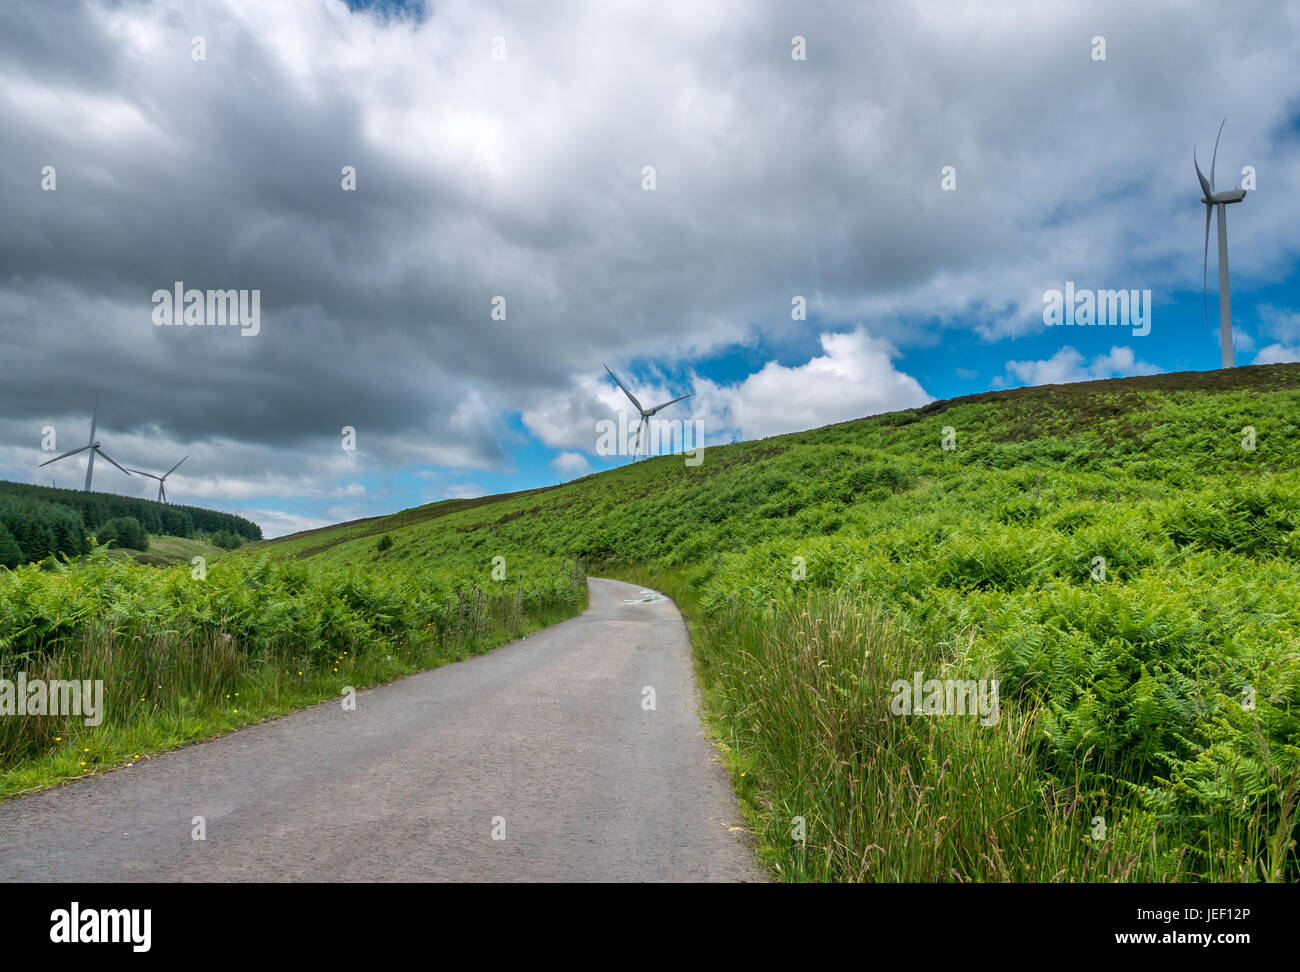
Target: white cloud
(1281, 323)
(277, 523)
(1277, 354)
(1069, 365)
(568, 418)
(571, 419)
(854, 377)
(571, 464)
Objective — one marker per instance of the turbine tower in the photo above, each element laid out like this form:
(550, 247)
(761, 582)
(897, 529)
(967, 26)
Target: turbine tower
(645, 413)
(94, 448)
(1222, 200)
(162, 489)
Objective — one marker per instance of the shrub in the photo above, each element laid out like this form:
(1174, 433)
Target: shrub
(11, 555)
(124, 531)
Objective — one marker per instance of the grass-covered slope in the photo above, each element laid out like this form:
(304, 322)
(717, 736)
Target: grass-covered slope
(188, 651)
(170, 551)
(1121, 555)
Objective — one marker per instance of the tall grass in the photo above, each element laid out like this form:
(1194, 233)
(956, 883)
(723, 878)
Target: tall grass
(182, 658)
(798, 696)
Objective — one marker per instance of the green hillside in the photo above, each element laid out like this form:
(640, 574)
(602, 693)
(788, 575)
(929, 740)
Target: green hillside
(42, 521)
(1121, 556)
(1149, 722)
(170, 551)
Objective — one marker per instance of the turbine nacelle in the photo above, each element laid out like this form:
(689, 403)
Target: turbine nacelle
(1226, 197)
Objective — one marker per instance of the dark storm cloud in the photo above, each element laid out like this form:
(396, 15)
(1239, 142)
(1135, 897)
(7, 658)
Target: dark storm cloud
(521, 178)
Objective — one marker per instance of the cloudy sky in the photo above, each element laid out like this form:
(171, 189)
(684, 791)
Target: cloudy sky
(659, 186)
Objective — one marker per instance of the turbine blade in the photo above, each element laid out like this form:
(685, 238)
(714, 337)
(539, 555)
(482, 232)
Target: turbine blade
(1215, 157)
(666, 404)
(625, 391)
(636, 451)
(162, 492)
(143, 473)
(106, 456)
(65, 455)
(174, 468)
(94, 417)
(1205, 186)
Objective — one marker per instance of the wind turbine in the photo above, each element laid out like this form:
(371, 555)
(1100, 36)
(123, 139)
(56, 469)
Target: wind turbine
(162, 489)
(1222, 200)
(645, 413)
(93, 446)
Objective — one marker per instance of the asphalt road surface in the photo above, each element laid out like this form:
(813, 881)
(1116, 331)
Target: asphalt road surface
(544, 740)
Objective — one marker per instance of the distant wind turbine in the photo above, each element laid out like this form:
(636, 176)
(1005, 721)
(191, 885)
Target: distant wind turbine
(645, 413)
(162, 489)
(94, 448)
(1221, 200)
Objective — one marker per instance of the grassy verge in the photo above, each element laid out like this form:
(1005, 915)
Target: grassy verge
(836, 787)
(184, 660)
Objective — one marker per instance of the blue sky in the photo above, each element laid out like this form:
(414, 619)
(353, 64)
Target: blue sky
(647, 185)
